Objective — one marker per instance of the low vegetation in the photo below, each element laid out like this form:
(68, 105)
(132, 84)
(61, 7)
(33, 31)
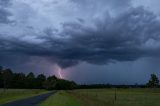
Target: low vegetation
(62, 98)
(118, 97)
(9, 95)
(106, 97)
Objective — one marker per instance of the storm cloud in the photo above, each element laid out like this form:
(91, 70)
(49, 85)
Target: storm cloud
(101, 35)
(4, 13)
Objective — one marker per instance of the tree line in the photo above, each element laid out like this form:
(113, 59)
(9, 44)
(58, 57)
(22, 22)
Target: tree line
(8, 79)
(152, 83)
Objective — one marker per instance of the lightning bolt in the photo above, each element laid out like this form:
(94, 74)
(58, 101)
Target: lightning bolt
(59, 73)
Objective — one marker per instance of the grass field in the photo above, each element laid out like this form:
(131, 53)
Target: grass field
(105, 97)
(62, 98)
(16, 94)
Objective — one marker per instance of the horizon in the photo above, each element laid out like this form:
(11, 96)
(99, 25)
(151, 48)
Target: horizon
(61, 78)
(87, 41)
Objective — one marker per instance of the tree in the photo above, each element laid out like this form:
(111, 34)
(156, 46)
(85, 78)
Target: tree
(154, 81)
(50, 83)
(1, 68)
(7, 78)
(1, 77)
(30, 81)
(18, 80)
(40, 81)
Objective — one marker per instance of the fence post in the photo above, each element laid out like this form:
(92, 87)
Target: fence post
(115, 95)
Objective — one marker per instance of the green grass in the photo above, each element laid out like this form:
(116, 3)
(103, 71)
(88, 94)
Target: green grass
(125, 97)
(105, 97)
(61, 98)
(17, 94)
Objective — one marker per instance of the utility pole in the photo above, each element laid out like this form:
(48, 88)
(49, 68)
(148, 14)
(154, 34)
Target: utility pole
(115, 94)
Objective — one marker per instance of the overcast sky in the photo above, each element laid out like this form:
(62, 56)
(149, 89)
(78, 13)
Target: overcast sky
(91, 41)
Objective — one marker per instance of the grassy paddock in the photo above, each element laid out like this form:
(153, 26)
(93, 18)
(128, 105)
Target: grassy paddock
(16, 94)
(61, 98)
(124, 97)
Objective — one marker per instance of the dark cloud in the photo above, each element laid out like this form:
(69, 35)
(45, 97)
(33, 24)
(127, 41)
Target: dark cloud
(113, 2)
(128, 37)
(122, 39)
(4, 3)
(94, 5)
(4, 13)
